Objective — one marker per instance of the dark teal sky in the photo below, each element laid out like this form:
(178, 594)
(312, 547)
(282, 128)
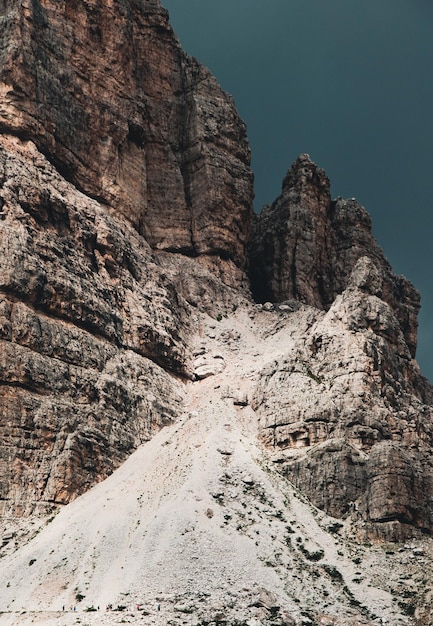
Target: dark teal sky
(350, 83)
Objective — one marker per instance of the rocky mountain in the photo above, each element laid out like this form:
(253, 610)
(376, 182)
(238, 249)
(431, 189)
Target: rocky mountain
(114, 144)
(350, 401)
(108, 96)
(140, 296)
(306, 245)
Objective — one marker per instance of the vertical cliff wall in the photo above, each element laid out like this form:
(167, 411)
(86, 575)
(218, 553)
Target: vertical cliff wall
(347, 406)
(115, 147)
(125, 213)
(107, 94)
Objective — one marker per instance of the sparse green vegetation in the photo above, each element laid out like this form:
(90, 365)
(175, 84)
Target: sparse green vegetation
(333, 572)
(408, 608)
(310, 374)
(280, 515)
(315, 555)
(335, 527)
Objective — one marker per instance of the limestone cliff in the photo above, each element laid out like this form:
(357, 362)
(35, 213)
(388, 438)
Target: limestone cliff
(126, 219)
(107, 94)
(305, 246)
(348, 406)
(115, 146)
(350, 416)
(129, 253)
(88, 326)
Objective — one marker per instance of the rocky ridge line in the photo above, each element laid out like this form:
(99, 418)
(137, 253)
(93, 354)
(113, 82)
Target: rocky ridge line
(305, 246)
(102, 290)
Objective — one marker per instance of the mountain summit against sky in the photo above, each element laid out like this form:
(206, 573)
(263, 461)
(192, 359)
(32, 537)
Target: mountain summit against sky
(138, 291)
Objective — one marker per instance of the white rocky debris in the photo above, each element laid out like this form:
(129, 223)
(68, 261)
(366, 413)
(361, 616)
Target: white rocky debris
(199, 523)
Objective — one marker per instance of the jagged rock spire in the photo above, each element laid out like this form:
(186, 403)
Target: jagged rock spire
(305, 246)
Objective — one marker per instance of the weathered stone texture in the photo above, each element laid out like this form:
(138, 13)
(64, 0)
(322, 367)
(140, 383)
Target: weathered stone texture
(89, 324)
(351, 414)
(305, 246)
(112, 100)
(125, 215)
(94, 326)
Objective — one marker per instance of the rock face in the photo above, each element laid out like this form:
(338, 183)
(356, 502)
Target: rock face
(115, 146)
(305, 246)
(110, 98)
(89, 324)
(348, 405)
(125, 219)
(351, 414)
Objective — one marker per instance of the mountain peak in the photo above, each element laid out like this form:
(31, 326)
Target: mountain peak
(127, 117)
(144, 386)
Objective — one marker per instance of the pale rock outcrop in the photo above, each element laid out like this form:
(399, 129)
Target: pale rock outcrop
(352, 414)
(239, 397)
(208, 365)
